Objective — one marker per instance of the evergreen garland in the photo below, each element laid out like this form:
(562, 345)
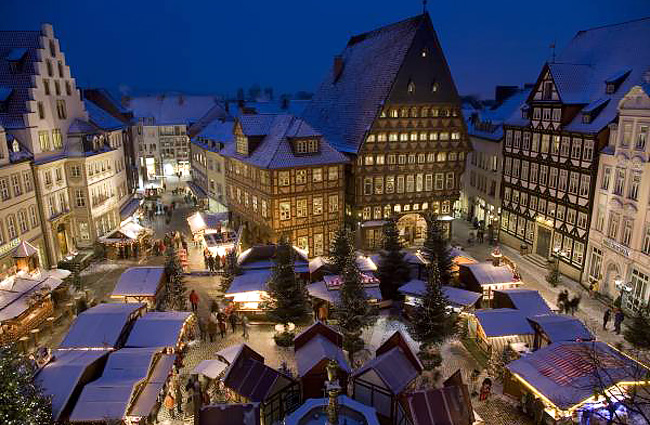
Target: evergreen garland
(175, 285)
(431, 323)
(436, 248)
(392, 270)
(342, 247)
(288, 296)
(353, 311)
(21, 399)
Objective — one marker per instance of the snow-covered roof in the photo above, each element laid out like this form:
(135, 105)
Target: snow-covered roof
(139, 281)
(79, 126)
(101, 326)
(321, 291)
(158, 329)
(250, 280)
(16, 292)
(345, 105)
(503, 322)
(561, 327)
(486, 273)
(211, 368)
(275, 150)
(456, 296)
(101, 118)
(60, 377)
(489, 123)
(528, 301)
(172, 109)
(317, 349)
(593, 58)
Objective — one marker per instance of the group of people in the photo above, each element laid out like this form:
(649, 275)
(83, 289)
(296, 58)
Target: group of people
(618, 319)
(212, 262)
(177, 403)
(218, 319)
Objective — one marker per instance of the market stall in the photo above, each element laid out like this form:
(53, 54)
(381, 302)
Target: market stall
(167, 329)
(212, 231)
(326, 293)
(494, 329)
(486, 277)
(130, 240)
(140, 284)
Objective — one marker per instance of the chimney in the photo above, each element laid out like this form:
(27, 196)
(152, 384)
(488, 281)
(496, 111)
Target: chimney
(338, 66)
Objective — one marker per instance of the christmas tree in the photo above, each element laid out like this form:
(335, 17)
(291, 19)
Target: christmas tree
(431, 323)
(21, 399)
(553, 276)
(436, 248)
(288, 296)
(175, 287)
(341, 249)
(230, 270)
(353, 311)
(392, 270)
(638, 332)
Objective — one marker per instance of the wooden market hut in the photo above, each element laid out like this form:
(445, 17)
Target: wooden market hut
(486, 277)
(26, 295)
(495, 329)
(248, 380)
(461, 300)
(326, 293)
(128, 389)
(140, 284)
(385, 380)
(566, 381)
(66, 374)
(166, 329)
(103, 326)
(130, 240)
(229, 414)
(320, 267)
(528, 301)
(314, 348)
(552, 328)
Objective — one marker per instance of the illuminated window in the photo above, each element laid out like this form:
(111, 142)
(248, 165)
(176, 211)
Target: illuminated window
(285, 211)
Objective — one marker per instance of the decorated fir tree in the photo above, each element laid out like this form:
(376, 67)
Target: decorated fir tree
(230, 270)
(553, 276)
(431, 322)
(638, 332)
(353, 311)
(175, 285)
(342, 247)
(288, 300)
(21, 399)
(436, 248)
(392, 270)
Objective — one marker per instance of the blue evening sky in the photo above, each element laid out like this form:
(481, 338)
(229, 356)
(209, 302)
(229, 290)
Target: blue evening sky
(217, 46)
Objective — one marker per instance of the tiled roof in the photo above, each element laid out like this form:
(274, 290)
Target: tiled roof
(490, 121)
(101, 118)
(172, 109)
(218, 130)
(343, 108)
(81, 126)
(275, 150)
(15, 44)
(592, 58)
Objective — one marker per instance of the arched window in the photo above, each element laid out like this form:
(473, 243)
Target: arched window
(411, 87)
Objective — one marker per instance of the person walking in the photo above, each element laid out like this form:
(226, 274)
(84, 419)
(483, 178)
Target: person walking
(606, 317)
(244, 325)
(618, 320)
(222, 327)
(178, 396)
(233, 321)
(212, 330)
(202, 329)
(194, 300)
(170, 403)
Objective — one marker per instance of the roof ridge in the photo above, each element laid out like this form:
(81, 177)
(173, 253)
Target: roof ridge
(282, 139)
(362, 36)
(612, 25)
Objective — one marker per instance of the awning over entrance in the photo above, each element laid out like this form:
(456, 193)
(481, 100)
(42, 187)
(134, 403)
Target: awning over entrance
(129, 208)
(197, 190)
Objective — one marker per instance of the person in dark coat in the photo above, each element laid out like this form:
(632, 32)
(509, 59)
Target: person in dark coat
(606, 317)
(222, 328)
(232, 318)
(618, 320)
(212, 330)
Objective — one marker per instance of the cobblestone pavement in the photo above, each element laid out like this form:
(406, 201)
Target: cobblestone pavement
(591, 310)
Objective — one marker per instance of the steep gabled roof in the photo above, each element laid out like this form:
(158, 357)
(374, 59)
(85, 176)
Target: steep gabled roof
(345, 105)
(172, 109)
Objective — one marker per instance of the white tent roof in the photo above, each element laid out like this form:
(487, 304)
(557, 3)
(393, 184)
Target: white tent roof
(158, 329)
(210, 368)
(139, 281)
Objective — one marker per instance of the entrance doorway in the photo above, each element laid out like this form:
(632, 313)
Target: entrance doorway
(412, 229)
(62, 239)
(543, 241)
(609, 286)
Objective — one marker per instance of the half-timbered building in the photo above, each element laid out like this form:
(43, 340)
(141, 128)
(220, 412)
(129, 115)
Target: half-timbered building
(551, 145)
(390, 103)
(283, 178)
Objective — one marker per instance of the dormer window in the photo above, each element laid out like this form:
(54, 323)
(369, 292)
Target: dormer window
(614, 82)
(586, 118)
(434, 86)
(15, 146)
(424, 52)
(411, 87)
(16, 58)
(306, 146)
(242, 145)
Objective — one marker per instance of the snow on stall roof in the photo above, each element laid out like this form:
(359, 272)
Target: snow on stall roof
(15, 297)
(142, 281)
(172, 109)
(100, 326)
(147, 398)
(250, 280)
(503, 322)
(393, 367)
(456, 296)
(528, 301)
(211, 368)
(60, 377)
(275, 149)
(568, 373)
(561, 327)
(317, 349)
(110, 395)
(343, 108)
(488, 274)
(321, 291)
(157, 329)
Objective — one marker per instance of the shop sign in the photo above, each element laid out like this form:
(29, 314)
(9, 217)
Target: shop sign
(9, 246)
(617, 247)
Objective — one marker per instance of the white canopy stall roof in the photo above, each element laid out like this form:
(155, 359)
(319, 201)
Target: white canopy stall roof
(210, 368)
(158, 329)
(128, 231)
(15, 291)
